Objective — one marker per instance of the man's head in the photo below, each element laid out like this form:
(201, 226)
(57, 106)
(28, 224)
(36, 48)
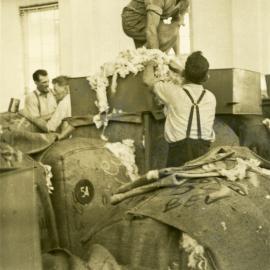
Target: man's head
(196, 68)
(41, 80)
(61, 87)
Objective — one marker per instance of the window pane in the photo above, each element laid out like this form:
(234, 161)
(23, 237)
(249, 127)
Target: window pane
(41, 42)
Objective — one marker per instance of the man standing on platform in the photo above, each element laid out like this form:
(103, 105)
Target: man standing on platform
(142, 20)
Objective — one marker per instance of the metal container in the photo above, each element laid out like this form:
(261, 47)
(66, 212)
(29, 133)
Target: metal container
(14, 105)
(237, 91)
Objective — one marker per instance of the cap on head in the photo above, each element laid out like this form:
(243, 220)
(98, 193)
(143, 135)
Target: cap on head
(196, 68)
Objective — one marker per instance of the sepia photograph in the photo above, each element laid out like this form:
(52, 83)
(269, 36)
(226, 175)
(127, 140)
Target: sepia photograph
(134, 135)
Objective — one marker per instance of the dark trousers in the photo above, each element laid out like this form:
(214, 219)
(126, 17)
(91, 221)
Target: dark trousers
(185, 150)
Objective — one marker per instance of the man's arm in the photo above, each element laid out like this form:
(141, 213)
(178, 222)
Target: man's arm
(153, 20)
(37, 121)
(40, 123)
(149, 76)
(62, 111)
(157, 87)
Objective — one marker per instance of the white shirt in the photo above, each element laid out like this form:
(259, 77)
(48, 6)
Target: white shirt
(178, 106)
(40, 104)
(62, 111)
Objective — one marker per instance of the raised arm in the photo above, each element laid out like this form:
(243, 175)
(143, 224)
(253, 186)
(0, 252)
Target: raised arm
(149, 76)
(153, 20)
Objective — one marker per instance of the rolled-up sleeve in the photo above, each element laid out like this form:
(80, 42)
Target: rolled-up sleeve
(62, 111)
(55, 120)
(161, 90)
(155, 6)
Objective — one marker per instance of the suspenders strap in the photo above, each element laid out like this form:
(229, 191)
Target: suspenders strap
(196, 106)
(39, 106)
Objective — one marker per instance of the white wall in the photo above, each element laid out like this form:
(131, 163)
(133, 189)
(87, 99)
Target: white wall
(90, 34)
(233, 33)
(265, 35)
(211, 29)
(247, 34)
(11, 51)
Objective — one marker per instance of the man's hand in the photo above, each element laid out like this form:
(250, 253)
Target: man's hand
(37, 121)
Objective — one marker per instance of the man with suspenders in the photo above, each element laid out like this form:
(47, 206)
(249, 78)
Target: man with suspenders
(63, 110)
(41, 102)
(190, 111)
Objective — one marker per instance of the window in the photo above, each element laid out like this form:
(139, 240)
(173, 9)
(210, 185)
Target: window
(40, 26)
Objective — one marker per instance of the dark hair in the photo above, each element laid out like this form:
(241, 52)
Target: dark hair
(61, 80)
(196, 68)
(39, 72)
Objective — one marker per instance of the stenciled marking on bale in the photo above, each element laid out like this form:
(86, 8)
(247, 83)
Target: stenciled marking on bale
(204, 187)
(110, 167)
(84, 191)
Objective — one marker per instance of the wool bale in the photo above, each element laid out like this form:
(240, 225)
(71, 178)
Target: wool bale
(85, 174)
